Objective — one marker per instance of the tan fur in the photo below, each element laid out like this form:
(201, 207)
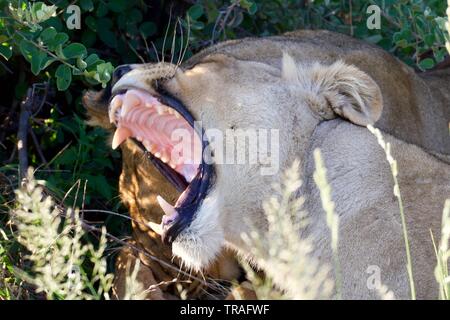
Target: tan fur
(329, 86)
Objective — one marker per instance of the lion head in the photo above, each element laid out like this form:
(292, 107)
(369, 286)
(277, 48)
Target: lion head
(175, 112)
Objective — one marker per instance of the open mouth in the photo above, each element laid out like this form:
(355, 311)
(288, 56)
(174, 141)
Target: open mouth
(163, 128)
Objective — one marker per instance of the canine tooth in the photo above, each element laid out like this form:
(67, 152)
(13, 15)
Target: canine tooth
(155, 227)
(131, 100)
(115, 104)
(168, 209)
(120, 136)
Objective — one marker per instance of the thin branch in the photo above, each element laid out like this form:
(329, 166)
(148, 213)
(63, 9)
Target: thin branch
(22, 133)
(37, 145)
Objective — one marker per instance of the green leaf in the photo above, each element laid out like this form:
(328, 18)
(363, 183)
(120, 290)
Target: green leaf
(426, 64)
(102, 10)
(36, 62)
(81, 64)
(135, 16)
(249, 5)
(48, 34)
(197, 25)
(75, 50)
(108, 37)
(440, 21)
(252, 9)
(91, 60)
(147, 29)
(429, 39)
(117, 5)
(91, 23)
(5, 51)
(105, 33)
(67, 157)
(41, 12)
(402, 43)
(196, 11)
(88, 38)
(101, 185)
(63, 77)
(46, 62)
(104, 72)
(57, 41)
(87, 5)
(27, 49)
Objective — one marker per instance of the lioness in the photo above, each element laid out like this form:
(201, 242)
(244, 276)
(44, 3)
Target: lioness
(320, 94)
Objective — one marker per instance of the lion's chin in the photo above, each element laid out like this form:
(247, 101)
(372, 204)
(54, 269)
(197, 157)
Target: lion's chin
(200, 243)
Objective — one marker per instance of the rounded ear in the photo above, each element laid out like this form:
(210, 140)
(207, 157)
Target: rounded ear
(346, 90)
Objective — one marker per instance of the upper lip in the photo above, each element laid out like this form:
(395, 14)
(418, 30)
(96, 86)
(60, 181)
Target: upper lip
(195, 192)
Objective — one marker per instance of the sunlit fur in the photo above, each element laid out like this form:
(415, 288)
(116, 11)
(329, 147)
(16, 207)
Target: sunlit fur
(320, 95)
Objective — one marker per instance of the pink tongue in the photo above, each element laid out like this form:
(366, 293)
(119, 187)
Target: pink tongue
(143, 117)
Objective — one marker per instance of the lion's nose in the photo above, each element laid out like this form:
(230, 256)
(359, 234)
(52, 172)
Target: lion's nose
(120, 71)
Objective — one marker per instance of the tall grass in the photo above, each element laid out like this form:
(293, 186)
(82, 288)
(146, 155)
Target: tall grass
(394, 170)
(134, 290)
(447, 25)
(281, 250)
(320, 178)
(443, 254)
(55, 248)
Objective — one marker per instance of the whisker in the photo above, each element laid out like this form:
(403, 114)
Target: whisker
(187, 39)
(172, 49)
(181, 44)
(156, 51)
(148, 49)
(110, 213)
(165, 36)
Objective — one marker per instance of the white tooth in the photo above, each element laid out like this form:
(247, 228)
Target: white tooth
(157, 154)
(155, 227)
(147, 145)
(177, 115)
(160, 109)
(167, 207)
(173, 166)
(139, 138)
(115, 104)
(165, 157)
(131, 100)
